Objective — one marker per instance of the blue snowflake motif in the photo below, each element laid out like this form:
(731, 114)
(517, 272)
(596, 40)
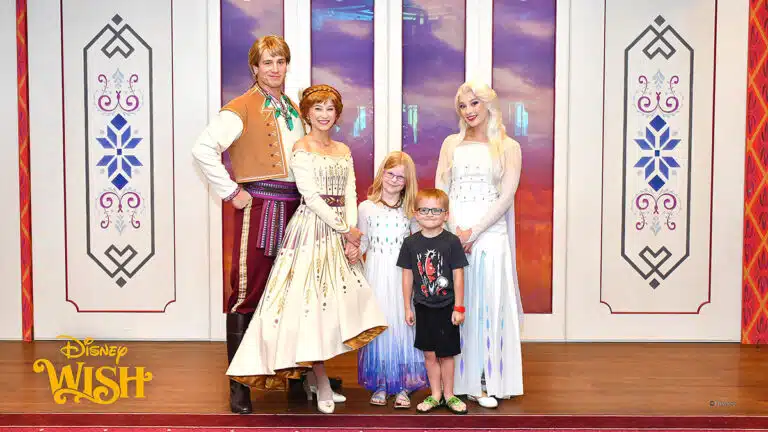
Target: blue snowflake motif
(119, 145)
(657, 141)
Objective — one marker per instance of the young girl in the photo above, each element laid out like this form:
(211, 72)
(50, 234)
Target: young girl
(390, 365)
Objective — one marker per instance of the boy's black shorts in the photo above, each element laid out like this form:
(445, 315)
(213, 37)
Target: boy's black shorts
(435, 331)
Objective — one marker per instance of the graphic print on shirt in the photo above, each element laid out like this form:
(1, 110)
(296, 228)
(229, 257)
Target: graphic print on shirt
(431, 265)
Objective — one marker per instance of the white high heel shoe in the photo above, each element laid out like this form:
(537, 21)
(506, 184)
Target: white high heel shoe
(326, 407)
(310, 390)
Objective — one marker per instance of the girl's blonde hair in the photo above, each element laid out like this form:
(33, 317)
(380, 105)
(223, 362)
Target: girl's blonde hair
(408, 193)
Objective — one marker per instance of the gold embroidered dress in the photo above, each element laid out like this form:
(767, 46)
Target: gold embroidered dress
(316, 305)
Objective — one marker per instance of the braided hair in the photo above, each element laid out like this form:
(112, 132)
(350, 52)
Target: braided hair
(318, 94)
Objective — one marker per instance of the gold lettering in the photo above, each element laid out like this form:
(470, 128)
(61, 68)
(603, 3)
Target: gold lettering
(71, 351)
(65, 379)
(76, 349)
(141, 377)
(88, 386)
(63, 384)
(123, 350)
(109, 384)
(114, 381)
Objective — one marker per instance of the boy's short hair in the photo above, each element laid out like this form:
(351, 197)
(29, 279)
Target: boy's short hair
(433, 193)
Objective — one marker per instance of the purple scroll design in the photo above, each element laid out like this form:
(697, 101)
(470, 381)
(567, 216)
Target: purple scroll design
(651, 100)
(105, 101)
(116, 207)
(655, 210)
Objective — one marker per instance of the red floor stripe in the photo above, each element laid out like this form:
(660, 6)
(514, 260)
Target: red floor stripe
(383, 422)
(205, 429)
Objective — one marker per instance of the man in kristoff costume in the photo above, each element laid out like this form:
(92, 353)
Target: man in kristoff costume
(259, 128)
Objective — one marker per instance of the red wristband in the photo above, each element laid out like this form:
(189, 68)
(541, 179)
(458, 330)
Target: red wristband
(459, 309)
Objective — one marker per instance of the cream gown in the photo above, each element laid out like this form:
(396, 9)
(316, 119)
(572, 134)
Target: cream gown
(315, 304)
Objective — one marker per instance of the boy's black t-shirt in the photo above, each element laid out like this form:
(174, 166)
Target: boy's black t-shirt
(432, 261)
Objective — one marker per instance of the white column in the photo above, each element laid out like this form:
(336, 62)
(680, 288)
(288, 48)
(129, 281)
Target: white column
(479, 41)
(297, 32)
(382, 144)
(10, 258)
(48, 249)
(389, 116)
(732, 53)
(215, 258)
(551, 327)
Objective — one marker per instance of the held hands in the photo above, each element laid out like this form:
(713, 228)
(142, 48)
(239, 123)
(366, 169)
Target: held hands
(352, 253)
(241, 200)
(464, 236)
(352, 245)
(409, 317)
(457, 318)
(353, 236)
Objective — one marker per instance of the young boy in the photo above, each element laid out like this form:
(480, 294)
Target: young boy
(433, 264)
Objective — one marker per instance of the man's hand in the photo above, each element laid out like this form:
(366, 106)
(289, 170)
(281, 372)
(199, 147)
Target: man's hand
(241, 200)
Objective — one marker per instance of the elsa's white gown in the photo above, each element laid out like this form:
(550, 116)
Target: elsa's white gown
(482, 198)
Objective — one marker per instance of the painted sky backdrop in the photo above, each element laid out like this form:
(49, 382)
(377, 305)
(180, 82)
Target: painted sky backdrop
(524, 79)
(348, 24)
(433, 68)
(242, 22)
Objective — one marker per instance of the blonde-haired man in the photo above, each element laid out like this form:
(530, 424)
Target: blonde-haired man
(259, 129)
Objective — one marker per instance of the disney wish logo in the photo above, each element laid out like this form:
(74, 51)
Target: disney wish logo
(112, 381)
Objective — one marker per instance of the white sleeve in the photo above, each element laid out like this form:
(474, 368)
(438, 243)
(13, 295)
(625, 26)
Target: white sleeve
(350, 195)
(301, 164)
(442, 176)
(221, 132)
(513, 160)
(364, 210)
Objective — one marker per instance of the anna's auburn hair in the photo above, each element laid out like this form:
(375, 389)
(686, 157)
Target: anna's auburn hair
(318, 94)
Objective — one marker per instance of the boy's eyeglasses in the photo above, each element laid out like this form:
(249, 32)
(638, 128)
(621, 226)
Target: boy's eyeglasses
(435, 211)
(394, 177)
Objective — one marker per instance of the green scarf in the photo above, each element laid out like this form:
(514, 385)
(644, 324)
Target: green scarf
(279, 109)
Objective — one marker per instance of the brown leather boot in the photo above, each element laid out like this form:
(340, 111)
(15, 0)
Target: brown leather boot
(239, 394)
